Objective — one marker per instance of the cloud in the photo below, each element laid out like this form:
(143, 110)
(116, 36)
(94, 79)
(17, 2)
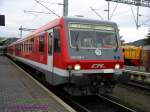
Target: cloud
(15, 16)
(131, 34)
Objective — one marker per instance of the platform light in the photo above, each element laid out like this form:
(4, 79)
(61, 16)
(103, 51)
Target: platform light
(117, 66)
(77, 67)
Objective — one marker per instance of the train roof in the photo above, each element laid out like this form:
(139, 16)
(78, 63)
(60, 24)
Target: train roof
(57, 21)
(84, 20)
(40, 29)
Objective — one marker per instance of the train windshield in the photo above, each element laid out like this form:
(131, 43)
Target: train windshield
(92, 36)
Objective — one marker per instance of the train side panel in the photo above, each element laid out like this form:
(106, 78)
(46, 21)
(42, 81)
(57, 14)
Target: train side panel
(132, 55)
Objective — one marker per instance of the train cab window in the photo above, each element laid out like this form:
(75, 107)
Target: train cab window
(41, 43)
(56, 40)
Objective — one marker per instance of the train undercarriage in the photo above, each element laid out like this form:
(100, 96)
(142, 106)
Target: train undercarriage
(90, 84)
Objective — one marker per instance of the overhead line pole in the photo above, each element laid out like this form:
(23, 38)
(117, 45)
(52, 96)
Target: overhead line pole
(20, 31)
(65, 8)
(24, 29)
(137, 16)
(108, 10)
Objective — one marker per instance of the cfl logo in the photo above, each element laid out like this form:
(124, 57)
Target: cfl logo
(96, 66)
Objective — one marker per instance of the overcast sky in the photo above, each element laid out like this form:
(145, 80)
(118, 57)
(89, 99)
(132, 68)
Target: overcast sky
(15, 16)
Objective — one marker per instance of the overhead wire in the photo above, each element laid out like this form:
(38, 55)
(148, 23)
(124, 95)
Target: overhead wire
(113, 11)
(133, 16)
(47, 8)
(52, 3)
(97, 13)
(30, 11)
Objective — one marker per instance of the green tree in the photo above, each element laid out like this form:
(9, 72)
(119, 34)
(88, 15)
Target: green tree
(147, 40)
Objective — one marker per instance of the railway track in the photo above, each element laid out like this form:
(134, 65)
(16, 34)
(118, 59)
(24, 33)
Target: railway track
(139, 84)
(98, 103)
(92, 103)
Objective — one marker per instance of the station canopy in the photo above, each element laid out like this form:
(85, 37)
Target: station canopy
(144, 3)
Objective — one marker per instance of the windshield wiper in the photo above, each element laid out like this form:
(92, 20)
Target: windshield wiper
(117, 44)
(76, 41)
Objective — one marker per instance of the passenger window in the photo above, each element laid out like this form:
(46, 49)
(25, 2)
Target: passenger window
(31, 45)
(50, 43)
(56, 40)
(41, 43)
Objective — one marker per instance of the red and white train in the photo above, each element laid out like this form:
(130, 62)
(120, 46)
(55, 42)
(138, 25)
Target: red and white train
(84, 54)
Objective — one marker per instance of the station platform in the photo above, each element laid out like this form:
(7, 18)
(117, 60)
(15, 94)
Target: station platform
(138, 73)
(19, 93)
(140, 69)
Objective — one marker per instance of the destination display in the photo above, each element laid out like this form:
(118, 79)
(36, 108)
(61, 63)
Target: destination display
(91, 26)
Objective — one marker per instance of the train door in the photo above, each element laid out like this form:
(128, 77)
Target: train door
(53, 51)
(50, 49)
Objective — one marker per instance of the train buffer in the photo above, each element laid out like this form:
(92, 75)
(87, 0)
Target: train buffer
(19, 93)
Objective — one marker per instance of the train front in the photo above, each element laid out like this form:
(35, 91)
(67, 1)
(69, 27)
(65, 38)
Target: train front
(95, 58)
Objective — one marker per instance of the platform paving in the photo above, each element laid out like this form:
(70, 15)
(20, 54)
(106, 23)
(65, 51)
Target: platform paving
(18, 93)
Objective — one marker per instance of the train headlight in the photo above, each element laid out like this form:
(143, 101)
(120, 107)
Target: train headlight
(117, 66)
(77, 67)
